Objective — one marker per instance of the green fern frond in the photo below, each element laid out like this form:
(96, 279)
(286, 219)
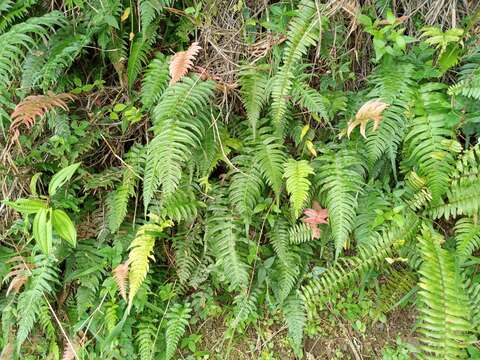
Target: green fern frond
(13, 10)
(253, 90)
(370, 203)
(224, 234)
(141, 250)
(444, 305)
(467, 168)
(469, 78)
(293, 310)
(139, 50)
(117, 201)
(270, 157)
(393, 83)
(41, 283)
(181, 205)
(348, 270)
(467, 237)
(178, 127)
(150, 10)
(279, 238)
(20, 38)
(300, 233)
(245, 187)
(298, 185)
(461, 200)
(186, 245)
(310, 99)
(177, 323)
(429, 147)
(155, 80)
(45, 320)
(65, 47)
(145, 338)
(340, 177)
(302, 33)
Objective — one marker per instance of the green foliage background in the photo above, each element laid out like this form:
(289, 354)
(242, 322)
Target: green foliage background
(200, 186)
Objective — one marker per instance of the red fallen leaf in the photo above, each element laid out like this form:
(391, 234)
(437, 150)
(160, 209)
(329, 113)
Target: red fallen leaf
(314, 217)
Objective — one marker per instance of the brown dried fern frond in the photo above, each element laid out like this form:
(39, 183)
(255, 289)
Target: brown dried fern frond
(182, 62)
(120, 274)
(371, 110)
(19, 272)
(26, 112)
(72, 347)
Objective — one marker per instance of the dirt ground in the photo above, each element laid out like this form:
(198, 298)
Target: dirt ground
(336, 340)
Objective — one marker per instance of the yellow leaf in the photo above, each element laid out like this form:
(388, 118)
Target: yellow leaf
(311, 148)
(304, 131)
(125, 14)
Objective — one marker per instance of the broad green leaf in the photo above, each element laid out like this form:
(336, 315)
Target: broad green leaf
(33, 183)
(64, 227)
(42, 229)
(61, 178)
(27, 206)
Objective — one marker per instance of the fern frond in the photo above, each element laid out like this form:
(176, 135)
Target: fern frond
(279, 238)
(300, 233)
(117, 201)
(302, 33)
(429, 148)
(141, 250)
(155, 80)
(120, 274)
(32, 106)
(21, 37)
(225, 237)
(253, 90)
(186, 253)
(139, 50)
(42, 281)
(150, 9)
(12, 11)
(177, 317)
(293, 310)
(348, 270)
(444, 305)
(461, 200)
(245, 190)
(467, 237)
(182, 61)
(181, 205)
(394, 84)
(340, 177)
(145, 338)
(270, 157)
(469, 78)
(178, 127)
(310, 99)
(297, 183)
(64, 49)
(369, 204)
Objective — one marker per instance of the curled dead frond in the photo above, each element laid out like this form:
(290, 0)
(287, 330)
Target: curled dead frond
(120, 274)
(371, 110)
(182, 62)
(35, 106)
